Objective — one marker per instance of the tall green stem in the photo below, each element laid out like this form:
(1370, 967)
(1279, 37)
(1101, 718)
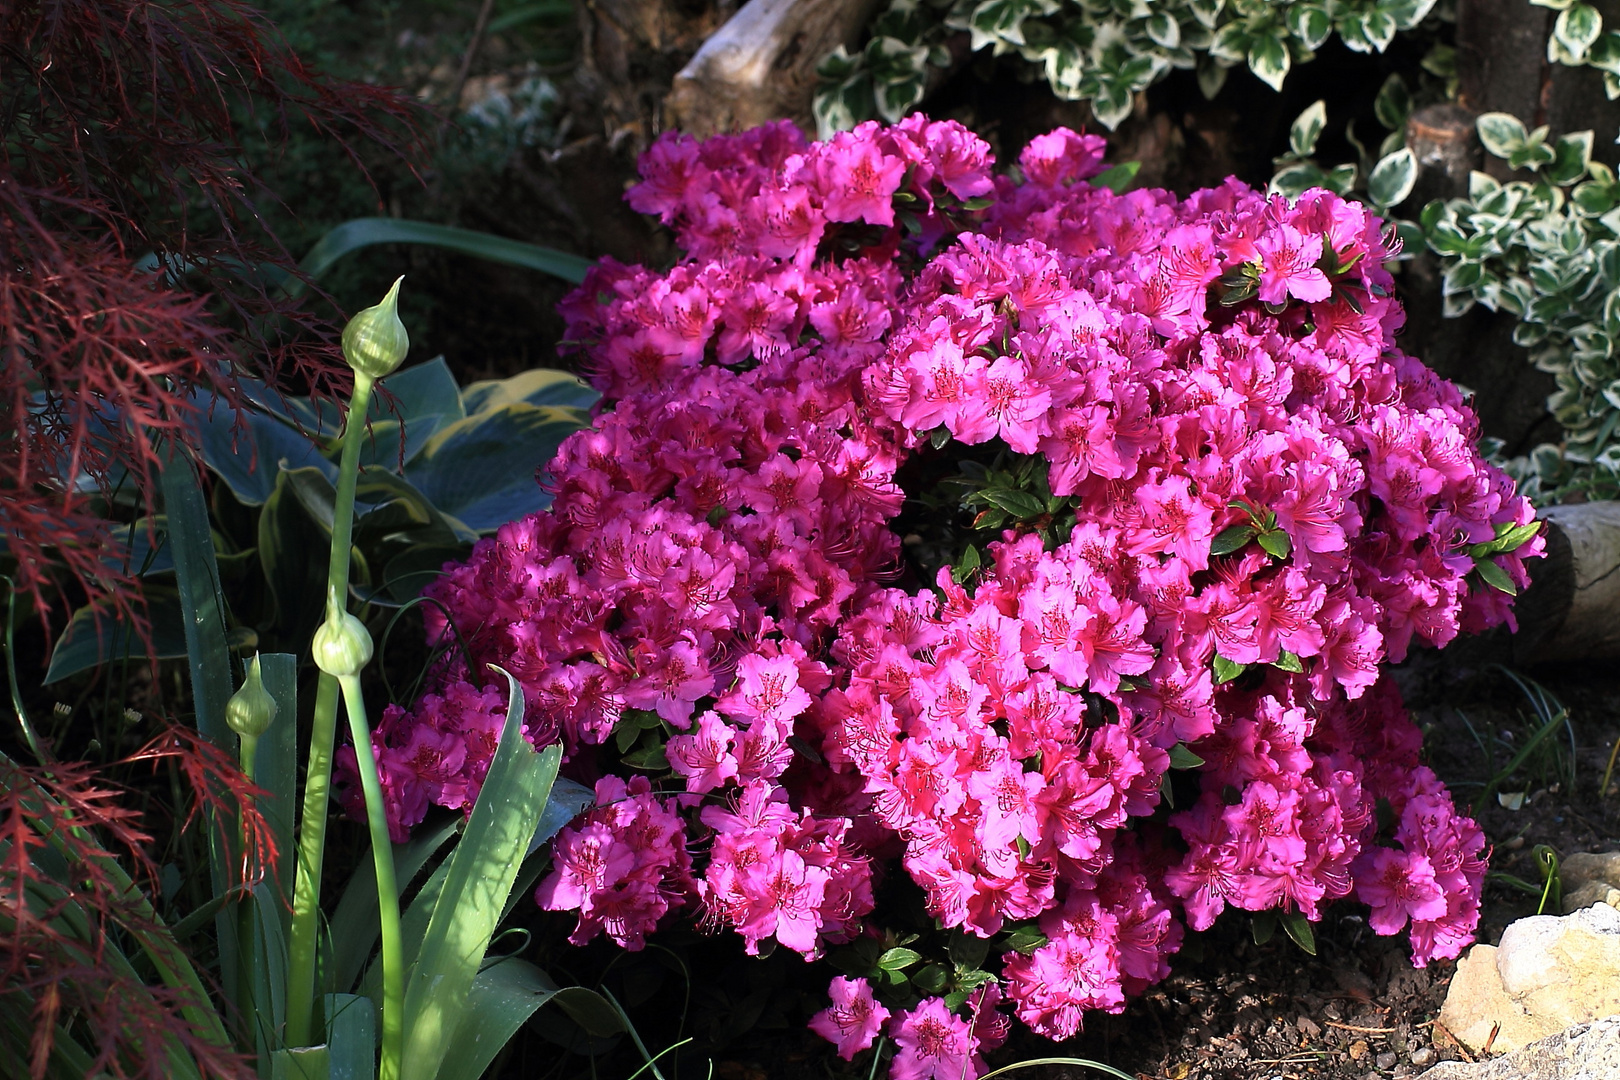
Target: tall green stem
(382, 852)
(318, 777)
(246, 938)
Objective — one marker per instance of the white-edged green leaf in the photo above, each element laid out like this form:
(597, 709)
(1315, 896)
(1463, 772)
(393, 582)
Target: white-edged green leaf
(1306, 129)
(1393, 103)
(1309, 24)
(1269, 59)
(1501, 133)
(1578, 27)
(1392, 178)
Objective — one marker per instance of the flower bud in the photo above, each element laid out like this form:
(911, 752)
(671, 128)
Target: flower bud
(251, 710)
(375, 341)
(342, 646)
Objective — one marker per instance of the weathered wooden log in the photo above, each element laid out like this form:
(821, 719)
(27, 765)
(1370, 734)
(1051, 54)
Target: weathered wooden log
(1443, 140)
(1572, 609)
(761, 65)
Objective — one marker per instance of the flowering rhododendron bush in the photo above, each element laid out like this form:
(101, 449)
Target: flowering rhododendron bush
(1038, 543)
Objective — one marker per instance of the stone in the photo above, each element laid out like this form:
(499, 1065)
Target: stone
(1422, 1056)
(1584, 1052)
(1588, 878)
(1548, 973)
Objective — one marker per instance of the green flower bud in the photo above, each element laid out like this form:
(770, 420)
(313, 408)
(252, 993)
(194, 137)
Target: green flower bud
(251, 710)
(375, 341)
(342, 647)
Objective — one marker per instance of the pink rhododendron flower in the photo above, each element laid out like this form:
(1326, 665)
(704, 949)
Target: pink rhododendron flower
(1195, 518)
(854, 1020)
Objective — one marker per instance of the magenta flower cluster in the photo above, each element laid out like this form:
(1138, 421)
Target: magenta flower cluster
(1248, 501)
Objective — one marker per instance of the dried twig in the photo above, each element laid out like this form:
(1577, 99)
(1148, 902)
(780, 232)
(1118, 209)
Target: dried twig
(1363, 1030)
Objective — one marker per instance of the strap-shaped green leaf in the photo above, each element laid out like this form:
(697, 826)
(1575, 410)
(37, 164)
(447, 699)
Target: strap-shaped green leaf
(353, 927)
(502, 999)
(276, 770)
(480, 877)
(191, 541)
(359, 233)
(351, 1036)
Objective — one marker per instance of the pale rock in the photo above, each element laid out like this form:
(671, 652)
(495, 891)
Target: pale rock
(1549, 972)
(1589, 878)
(1586, 1052)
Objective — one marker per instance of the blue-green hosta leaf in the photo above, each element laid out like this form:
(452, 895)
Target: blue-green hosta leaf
(540, 386)
(1392, 178)
(1269, 59)
(482, 469)
(1307, 129)
(96, 636)
(249, 459)
(1501, 133)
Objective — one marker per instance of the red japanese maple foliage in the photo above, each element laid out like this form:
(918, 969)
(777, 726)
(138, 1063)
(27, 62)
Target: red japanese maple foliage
(121, 128)
(67, 935)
